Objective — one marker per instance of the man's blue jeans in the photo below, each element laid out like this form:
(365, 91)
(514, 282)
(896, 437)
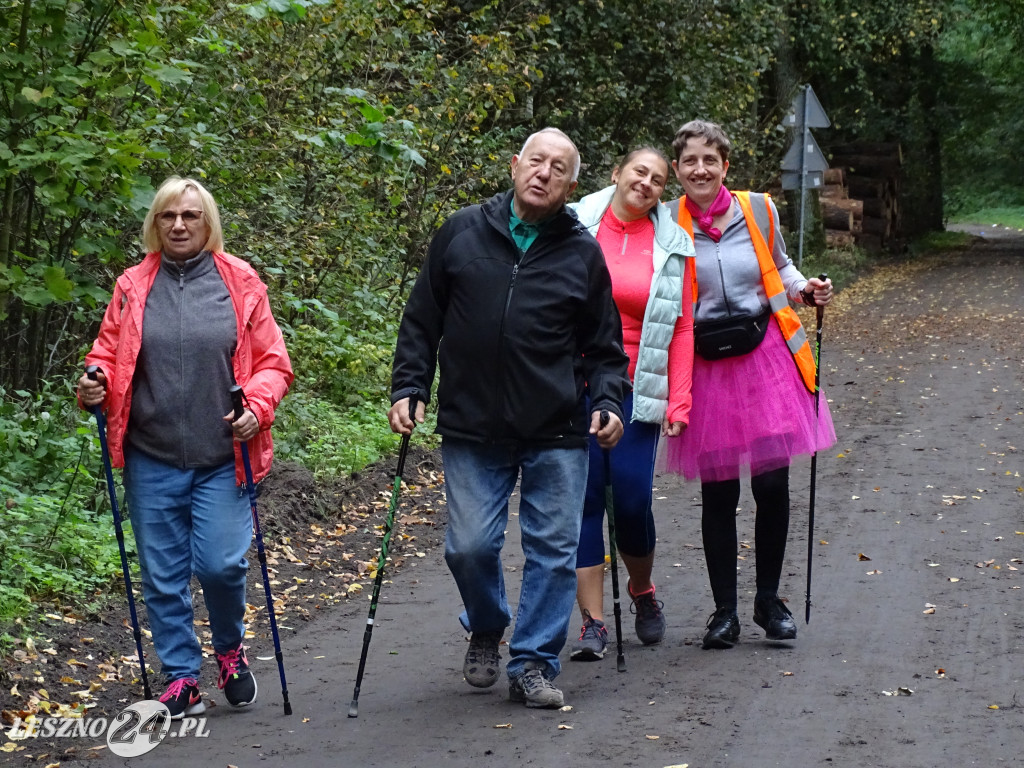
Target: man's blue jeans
(479, 479)
(189, 521)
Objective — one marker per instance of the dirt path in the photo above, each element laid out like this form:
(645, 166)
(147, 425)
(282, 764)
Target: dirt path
(914, 654)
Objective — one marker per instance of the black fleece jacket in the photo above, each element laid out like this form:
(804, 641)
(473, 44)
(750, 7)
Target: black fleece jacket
(520, 338)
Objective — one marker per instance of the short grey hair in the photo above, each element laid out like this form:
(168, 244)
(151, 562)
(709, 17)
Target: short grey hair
(576, 164)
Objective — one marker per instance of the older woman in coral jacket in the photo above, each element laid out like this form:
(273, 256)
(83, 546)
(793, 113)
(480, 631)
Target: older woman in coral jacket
(182, 328)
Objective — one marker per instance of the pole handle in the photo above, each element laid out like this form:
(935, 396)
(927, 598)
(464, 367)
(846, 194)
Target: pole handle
(91, 371)
(604, 418)
(820, 310)
(236, 401)
(414, 401)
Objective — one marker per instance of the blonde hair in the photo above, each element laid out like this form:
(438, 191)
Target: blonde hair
(171, 191)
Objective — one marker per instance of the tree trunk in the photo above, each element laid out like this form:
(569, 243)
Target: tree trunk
(932, 206)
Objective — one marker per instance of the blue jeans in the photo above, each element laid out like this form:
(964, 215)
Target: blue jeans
(189, 521)
(479, 479)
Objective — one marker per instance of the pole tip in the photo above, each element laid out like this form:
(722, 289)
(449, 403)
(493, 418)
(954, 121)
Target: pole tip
(621, 664)
(287, 708)
(353, 710)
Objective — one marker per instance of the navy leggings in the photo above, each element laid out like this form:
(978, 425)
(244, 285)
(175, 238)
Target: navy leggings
(632, 464)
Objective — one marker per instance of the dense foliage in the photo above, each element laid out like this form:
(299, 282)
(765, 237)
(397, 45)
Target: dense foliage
(336, 136)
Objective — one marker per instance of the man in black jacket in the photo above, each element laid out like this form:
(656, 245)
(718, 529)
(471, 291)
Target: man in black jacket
(514, 304)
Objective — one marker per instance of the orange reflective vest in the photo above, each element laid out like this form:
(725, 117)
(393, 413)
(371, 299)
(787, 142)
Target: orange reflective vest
(789, 322)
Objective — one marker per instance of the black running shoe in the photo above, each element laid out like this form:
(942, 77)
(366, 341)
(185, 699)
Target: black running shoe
(182, 698)
(723, 629)
(235, 679)
(772, 615)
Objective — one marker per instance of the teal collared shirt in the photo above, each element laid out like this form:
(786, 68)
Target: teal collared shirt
(523, 232)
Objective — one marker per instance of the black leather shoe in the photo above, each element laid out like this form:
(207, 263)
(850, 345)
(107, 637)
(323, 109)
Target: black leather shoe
(723, 629)
(772, 615)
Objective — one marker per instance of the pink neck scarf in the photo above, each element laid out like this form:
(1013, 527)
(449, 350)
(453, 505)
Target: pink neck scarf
(721, 204)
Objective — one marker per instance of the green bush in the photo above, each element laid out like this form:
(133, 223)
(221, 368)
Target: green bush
(840, 264)
(335, 441)
(57, 540)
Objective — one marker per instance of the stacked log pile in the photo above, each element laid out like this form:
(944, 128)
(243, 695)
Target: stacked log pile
(841, 216)
(860, 200)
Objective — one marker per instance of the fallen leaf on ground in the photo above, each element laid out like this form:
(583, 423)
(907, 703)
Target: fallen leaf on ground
(862, 556)
(564, 727)
(503, 725)
(653, 738)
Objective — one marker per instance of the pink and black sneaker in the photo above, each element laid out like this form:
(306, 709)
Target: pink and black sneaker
(182, 698)
(235, 678)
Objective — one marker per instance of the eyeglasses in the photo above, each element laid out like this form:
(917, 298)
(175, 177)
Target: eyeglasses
(167, 218)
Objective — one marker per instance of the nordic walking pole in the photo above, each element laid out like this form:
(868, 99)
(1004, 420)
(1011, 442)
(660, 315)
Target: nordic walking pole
(236, 402)
(820, 311)
(609, 509)
(101, 426)
(353, 710)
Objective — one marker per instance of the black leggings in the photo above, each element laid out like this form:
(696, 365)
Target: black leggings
(771, 527)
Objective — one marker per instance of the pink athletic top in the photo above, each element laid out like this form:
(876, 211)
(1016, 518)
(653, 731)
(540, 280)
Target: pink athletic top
(629, 253)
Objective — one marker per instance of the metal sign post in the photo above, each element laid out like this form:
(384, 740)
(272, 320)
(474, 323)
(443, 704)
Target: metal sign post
(804, 165)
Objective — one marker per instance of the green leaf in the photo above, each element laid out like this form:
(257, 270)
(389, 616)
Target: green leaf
(371, 113)
(359, 140)
(153, 83)
(57, 283)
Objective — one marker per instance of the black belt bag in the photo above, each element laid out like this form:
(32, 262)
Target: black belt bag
(730, 337)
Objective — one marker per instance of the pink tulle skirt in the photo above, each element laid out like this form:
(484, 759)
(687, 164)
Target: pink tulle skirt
(750, 413)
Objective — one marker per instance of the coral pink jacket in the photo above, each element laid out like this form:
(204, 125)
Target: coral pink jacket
(261, 363)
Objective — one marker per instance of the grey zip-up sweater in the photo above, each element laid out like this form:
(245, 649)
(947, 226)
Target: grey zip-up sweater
(728, 274)
(184, 374)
